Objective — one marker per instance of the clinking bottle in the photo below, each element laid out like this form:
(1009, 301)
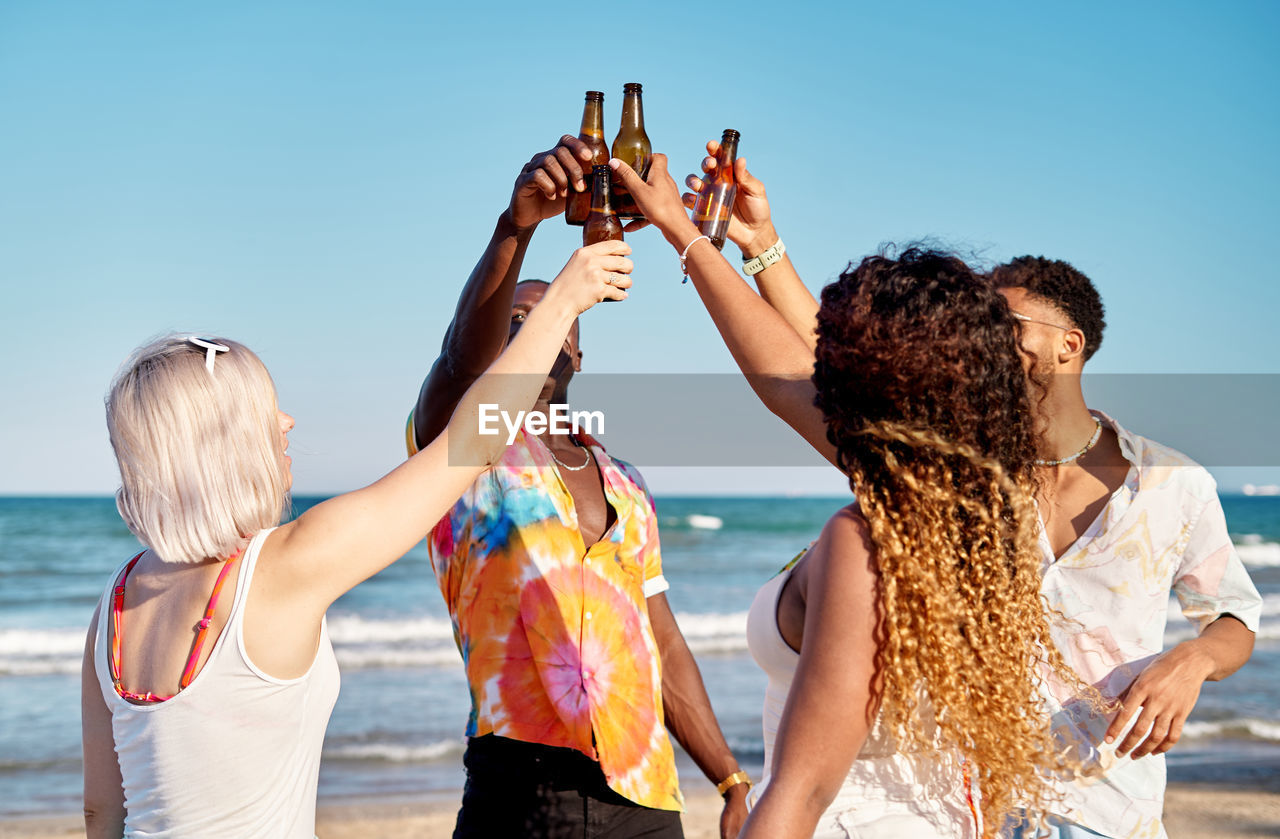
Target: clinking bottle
(714, 207)
(632, 147)
(578, 204)
(602, 222)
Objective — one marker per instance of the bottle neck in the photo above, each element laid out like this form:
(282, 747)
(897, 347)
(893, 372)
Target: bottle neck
(728, 151)
(632, 111)
(592, 120)
(600, 200)
(724, 161)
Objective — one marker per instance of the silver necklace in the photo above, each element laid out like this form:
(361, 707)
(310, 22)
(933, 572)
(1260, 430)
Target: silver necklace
(564, 465)
(1097, 433)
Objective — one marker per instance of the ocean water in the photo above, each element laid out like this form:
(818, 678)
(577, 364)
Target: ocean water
(397, 727)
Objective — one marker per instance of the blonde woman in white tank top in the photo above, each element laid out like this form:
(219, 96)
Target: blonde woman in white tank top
(217, 731)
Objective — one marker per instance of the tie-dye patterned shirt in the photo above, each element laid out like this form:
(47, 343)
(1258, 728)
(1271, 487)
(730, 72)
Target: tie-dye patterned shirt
(555, 634)
(1163, 531)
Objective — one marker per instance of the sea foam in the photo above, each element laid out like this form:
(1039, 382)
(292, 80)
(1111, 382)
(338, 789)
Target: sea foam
(1259, 554)
(702, 522)
(39, 652)
(355, 629)
(1268, 730)
(395, 752)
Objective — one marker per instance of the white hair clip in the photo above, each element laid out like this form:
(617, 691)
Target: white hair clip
(211, 349)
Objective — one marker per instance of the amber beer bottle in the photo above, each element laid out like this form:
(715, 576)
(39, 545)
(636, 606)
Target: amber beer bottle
(632, 147)
(578, 204)
(714, 207)
(602, 222)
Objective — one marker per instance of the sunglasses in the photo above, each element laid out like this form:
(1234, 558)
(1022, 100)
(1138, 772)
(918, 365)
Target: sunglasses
(1023, 317)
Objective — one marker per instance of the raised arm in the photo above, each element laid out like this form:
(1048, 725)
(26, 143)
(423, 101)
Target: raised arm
(775, 359)
(483, 314)
(751, 229)
(337, 544)
(833, 698)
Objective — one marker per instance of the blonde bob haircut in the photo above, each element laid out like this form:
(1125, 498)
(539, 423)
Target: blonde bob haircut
(201, 463)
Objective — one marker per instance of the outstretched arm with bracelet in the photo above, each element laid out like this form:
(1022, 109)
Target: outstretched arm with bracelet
(777, 362)
(764, 256)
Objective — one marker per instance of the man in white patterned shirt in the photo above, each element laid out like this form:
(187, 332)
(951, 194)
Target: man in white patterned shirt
(1127, 521)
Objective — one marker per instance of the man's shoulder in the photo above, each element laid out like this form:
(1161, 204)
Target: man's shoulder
(1155, 453)
(628, 470)
(1168, 465)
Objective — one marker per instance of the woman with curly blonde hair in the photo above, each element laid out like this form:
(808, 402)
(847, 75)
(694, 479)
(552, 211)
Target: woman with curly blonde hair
(905, 649)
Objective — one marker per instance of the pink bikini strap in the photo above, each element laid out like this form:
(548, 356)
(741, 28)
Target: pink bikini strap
(202, 629)
(189, 672)
(117, 609)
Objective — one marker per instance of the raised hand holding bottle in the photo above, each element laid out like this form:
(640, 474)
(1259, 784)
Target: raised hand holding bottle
(578, 204)
(714, 207)
(602, 222)
(632, 147)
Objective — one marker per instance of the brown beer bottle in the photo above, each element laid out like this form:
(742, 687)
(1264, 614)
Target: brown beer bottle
(632, 147)
(602, 222)
(578, 204)
(714, 207)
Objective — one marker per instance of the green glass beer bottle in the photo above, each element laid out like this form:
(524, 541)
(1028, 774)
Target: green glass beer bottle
(632, 147)
(578, 204)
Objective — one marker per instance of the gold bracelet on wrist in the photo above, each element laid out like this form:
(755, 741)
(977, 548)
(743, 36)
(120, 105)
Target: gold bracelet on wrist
(733, 780)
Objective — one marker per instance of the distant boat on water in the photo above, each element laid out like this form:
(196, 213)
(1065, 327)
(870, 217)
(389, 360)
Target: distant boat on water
(1264, 489)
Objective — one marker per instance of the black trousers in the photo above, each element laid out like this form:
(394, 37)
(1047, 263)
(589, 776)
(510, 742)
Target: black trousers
(516, 790)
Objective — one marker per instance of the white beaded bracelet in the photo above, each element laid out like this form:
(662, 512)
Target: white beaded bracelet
(685, 256)
(767, 257)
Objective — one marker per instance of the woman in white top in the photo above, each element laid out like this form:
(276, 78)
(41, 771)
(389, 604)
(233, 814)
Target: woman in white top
(208, 674)
(906, 641)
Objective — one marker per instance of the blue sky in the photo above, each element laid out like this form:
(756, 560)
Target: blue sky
(317, 179)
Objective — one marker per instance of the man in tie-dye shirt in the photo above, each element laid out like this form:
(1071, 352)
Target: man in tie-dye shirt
(1127, 521)
(551, 569)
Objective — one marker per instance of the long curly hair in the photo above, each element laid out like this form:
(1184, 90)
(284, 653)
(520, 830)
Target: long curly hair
(919, 379)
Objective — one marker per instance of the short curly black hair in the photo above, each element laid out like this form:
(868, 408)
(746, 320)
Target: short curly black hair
(1060, 284)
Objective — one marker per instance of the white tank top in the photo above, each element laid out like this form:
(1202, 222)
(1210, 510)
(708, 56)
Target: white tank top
(887, 794)
(235, 754)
